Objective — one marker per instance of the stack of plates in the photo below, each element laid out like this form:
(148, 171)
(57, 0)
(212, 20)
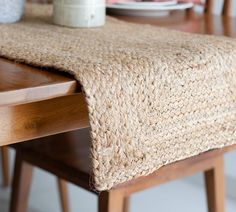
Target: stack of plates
(146, 8)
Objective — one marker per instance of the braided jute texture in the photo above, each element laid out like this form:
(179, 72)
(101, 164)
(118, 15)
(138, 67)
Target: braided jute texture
(154, 95)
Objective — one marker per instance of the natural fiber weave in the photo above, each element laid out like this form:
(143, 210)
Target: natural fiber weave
(155, 96)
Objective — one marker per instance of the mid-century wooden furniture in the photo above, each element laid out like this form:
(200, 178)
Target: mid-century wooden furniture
(29, 97)
(226, 8)
(61, 184)
(67, 156)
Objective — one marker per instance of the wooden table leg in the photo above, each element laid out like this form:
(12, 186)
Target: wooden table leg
(215, 188)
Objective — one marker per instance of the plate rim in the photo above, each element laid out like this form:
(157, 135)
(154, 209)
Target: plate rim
(179, 6)
(171, 2)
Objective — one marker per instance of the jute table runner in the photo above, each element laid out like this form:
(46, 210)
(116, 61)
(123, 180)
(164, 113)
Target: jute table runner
(155, 96)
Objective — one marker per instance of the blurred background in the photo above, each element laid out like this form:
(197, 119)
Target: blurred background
(164, 198)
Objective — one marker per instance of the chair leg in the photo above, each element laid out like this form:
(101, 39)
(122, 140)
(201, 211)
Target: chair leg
(111, 201)
(5, 166)
(63, 192)
(21, 185)
(215, 188)
(126, 205)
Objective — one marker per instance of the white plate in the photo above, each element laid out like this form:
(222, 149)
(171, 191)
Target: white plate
(150, 3)
(147, 10)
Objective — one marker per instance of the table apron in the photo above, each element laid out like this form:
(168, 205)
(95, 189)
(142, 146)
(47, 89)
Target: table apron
(38, 119)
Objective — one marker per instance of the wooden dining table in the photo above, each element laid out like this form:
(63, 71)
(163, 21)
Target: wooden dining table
(36, 102)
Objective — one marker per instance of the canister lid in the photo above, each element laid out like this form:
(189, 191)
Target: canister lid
(80, 2)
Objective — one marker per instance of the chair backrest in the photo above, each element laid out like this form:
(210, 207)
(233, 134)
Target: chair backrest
(221, 7)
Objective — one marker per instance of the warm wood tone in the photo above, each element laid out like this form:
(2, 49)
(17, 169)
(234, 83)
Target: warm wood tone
(64, 152)
(215, 187)
(21, 185)
(193, 23)
(214, 25)
(64, 196)
(20, 84)
(126, 204)
(111, 201)
(25, 116)
(27, 121)
(183, 168)
(5, 166)
(209, 6)
(67, 156)
(226, 8)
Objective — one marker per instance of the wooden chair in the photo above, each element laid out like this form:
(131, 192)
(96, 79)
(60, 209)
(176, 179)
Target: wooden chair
(210, 5)
(67, 156)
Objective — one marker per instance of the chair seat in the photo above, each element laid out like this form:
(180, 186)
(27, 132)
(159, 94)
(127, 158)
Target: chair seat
(69, 149)
(67, 155)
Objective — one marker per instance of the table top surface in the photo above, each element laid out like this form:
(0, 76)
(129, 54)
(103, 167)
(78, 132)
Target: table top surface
(21, 83)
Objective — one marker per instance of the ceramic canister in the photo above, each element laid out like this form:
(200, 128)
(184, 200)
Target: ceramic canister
(79, 13)
(11, 10)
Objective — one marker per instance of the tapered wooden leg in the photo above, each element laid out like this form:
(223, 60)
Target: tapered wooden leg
(111, 201)
(126, 205)
(215, 187)
(63, 192)
(21, 185)
(5, 166)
